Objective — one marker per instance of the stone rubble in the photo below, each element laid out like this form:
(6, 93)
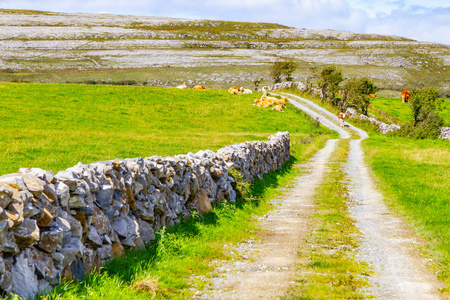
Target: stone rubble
(445, 133)
(62, 226)
(383, 127)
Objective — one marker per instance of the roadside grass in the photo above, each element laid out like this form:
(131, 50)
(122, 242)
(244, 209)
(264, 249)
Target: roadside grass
(393, 110)
(183, 257)
(414, 177)
(329, 269)
(55, 126)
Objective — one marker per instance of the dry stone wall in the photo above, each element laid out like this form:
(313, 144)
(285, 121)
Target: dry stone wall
(68, 224)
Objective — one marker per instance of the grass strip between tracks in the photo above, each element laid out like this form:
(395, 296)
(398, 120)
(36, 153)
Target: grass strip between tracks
(328, 268)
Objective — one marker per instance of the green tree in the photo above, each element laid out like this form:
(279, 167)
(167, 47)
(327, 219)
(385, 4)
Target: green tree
(310, 76)
(276, 70)
(423, 103)
(355, 93)
(329, 80)
(282, 68)
(289, 68)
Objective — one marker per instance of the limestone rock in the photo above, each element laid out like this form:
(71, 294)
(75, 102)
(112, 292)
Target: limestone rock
(27, 233)
(50, 239)
(62, 193)
(202, 202)
(25, 282)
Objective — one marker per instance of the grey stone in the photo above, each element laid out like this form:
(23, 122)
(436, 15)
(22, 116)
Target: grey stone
(27, 233)
(49, 240)
(62, 193)
(93, 238)
(77, 270)
(71, 251)
(77, 201)
(25, 282)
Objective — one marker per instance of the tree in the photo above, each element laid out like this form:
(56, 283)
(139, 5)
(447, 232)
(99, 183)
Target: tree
(355, 93)
(257, 82)
(310, 76)
(423, 103)
(329, 80)
(280, 68)
(289, 67)
(276, 70)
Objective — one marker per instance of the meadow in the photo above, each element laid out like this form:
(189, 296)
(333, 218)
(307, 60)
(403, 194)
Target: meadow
(393, 110)
(55, 126)
(414, 177)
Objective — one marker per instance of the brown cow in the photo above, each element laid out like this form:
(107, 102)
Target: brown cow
(200, 87)
(341, 118)
(405, 94)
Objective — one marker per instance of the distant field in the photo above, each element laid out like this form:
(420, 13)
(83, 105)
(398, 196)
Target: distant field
(414, 177)
(401, 112)
(55, 126)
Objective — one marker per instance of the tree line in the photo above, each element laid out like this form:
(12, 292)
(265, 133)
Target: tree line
(357, 92)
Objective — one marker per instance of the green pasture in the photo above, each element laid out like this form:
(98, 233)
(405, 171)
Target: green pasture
(55, 126)
(393, 110)
(414, 176)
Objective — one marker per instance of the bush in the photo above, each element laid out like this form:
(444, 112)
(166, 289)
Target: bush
(329, 80)
(355, 93)
(428, 128)
(279, 68)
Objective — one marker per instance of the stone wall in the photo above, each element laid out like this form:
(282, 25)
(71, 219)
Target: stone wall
(68, 224)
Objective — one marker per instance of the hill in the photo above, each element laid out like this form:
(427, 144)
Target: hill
(40, 46)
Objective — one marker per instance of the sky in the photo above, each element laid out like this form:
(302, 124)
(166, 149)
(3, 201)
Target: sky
(423, 20)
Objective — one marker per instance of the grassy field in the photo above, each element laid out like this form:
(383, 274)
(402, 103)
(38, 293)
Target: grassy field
(55, 126)
(393, 110)
(414, 177)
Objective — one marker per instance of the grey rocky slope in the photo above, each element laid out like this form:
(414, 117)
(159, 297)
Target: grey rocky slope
(34, 42)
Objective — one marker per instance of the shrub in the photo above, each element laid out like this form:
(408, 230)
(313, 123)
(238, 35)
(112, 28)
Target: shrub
(355, 93)
(279, 68)
(329, 80)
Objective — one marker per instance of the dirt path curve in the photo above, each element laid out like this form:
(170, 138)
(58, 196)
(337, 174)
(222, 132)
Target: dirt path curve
(268, 266)
(388, 246)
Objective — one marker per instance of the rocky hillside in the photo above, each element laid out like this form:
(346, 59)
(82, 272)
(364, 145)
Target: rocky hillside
(102, 48)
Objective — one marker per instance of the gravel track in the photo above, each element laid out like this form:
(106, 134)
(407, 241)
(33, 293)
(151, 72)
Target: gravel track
(268, 266)
(400, 272)
(265, 269)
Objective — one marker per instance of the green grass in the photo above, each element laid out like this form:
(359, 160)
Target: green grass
(185, 256)
(393, 110)
(414, 178)
(55, 126)
(329, 269)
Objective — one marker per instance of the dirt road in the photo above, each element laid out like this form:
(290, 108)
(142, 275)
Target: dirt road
(268, 266)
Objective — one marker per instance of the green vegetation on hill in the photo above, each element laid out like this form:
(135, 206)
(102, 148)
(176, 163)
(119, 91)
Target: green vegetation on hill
(414, 177)
(55, 126)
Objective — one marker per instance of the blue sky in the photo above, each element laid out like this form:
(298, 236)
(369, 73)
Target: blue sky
(424, 20)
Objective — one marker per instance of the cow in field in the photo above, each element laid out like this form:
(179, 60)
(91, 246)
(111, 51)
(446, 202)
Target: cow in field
(405, 94)
(341, 118)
